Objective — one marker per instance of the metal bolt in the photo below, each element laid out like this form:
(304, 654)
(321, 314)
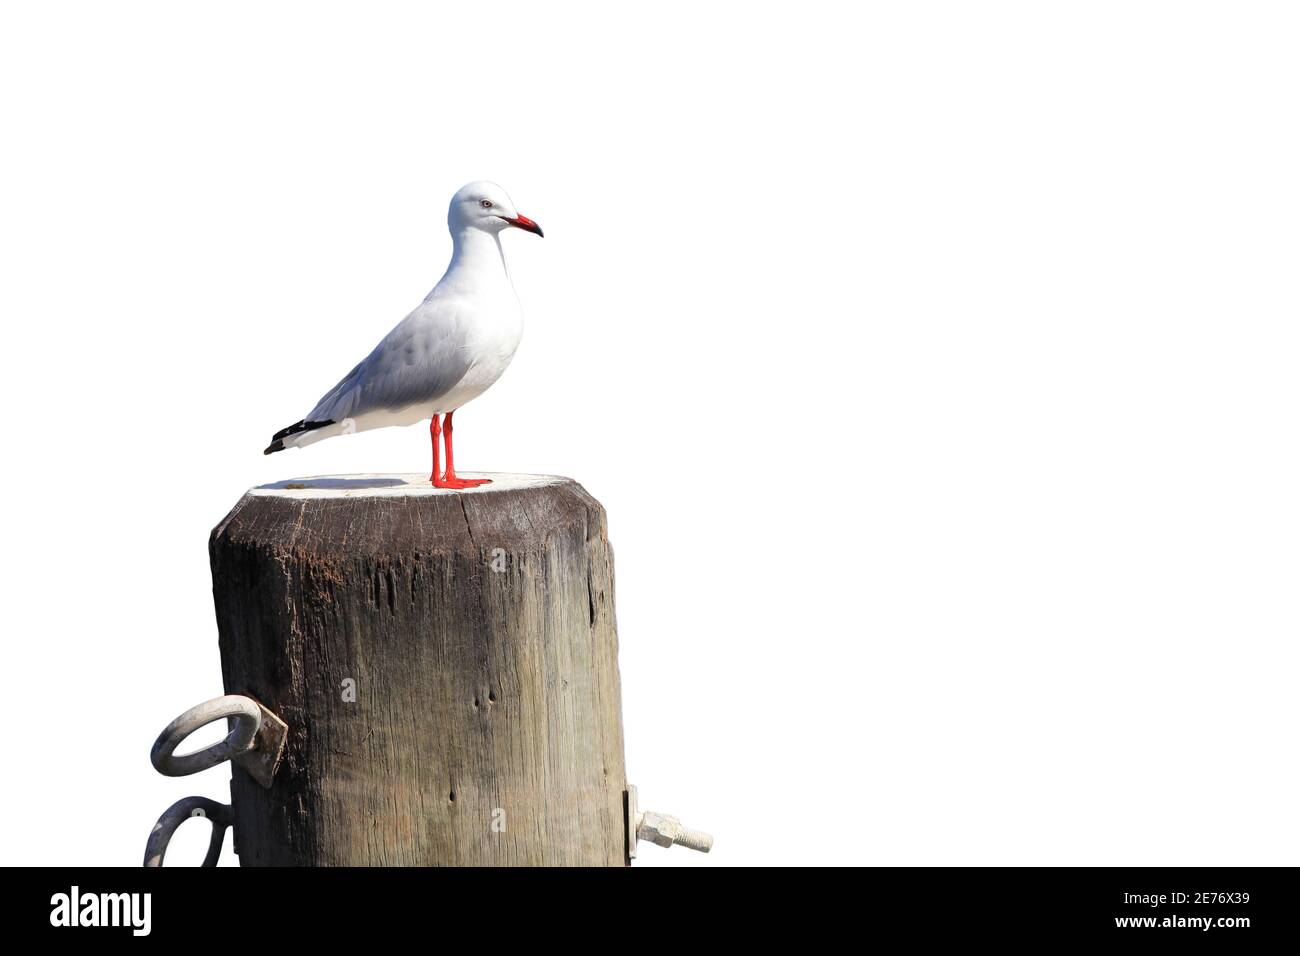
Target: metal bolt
(664, 830)
(660, 829)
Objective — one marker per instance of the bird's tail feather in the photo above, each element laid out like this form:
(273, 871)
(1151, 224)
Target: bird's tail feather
(297, 428)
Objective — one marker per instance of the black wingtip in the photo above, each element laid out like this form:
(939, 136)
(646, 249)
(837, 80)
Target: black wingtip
(277, 440)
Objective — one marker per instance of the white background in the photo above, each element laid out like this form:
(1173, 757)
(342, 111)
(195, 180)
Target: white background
(936, 364)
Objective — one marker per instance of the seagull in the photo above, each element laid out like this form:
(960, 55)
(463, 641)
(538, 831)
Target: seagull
(448, 351)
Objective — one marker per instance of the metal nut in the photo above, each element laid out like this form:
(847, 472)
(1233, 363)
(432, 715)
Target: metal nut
(658, 828)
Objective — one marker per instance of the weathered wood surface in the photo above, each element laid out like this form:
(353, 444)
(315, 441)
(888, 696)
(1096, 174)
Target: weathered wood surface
(478, 629)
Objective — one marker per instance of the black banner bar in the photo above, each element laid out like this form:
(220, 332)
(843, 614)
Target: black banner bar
(1233, 907)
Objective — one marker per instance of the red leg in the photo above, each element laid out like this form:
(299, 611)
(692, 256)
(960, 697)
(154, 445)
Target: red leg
(435, 433)
(449, 480)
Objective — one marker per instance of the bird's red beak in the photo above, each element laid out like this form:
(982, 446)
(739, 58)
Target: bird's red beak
(524, 223)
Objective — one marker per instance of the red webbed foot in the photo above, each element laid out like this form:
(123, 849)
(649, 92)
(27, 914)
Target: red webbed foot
(456, 482)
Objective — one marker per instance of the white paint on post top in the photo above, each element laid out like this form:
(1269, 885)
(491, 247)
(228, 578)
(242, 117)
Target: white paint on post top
(396, 486)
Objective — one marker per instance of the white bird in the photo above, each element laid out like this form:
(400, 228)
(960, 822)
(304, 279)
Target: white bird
(448, 351)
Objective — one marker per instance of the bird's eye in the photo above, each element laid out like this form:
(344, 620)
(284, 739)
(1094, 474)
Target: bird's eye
(486, 203)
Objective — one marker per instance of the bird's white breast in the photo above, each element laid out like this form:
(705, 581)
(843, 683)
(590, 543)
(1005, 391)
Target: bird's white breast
(491, 335)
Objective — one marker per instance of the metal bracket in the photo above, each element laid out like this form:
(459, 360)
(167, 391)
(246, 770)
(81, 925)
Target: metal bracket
(255, 742)
(658, 828)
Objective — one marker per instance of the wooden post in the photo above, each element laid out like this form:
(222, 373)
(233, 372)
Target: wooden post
(446, 663)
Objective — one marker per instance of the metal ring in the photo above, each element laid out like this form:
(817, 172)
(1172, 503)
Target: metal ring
(178, 813)
(247, 719)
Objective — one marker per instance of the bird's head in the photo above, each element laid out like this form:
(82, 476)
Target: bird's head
(484, 205)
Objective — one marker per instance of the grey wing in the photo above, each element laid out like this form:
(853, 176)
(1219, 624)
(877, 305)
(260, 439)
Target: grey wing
(417, 363)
